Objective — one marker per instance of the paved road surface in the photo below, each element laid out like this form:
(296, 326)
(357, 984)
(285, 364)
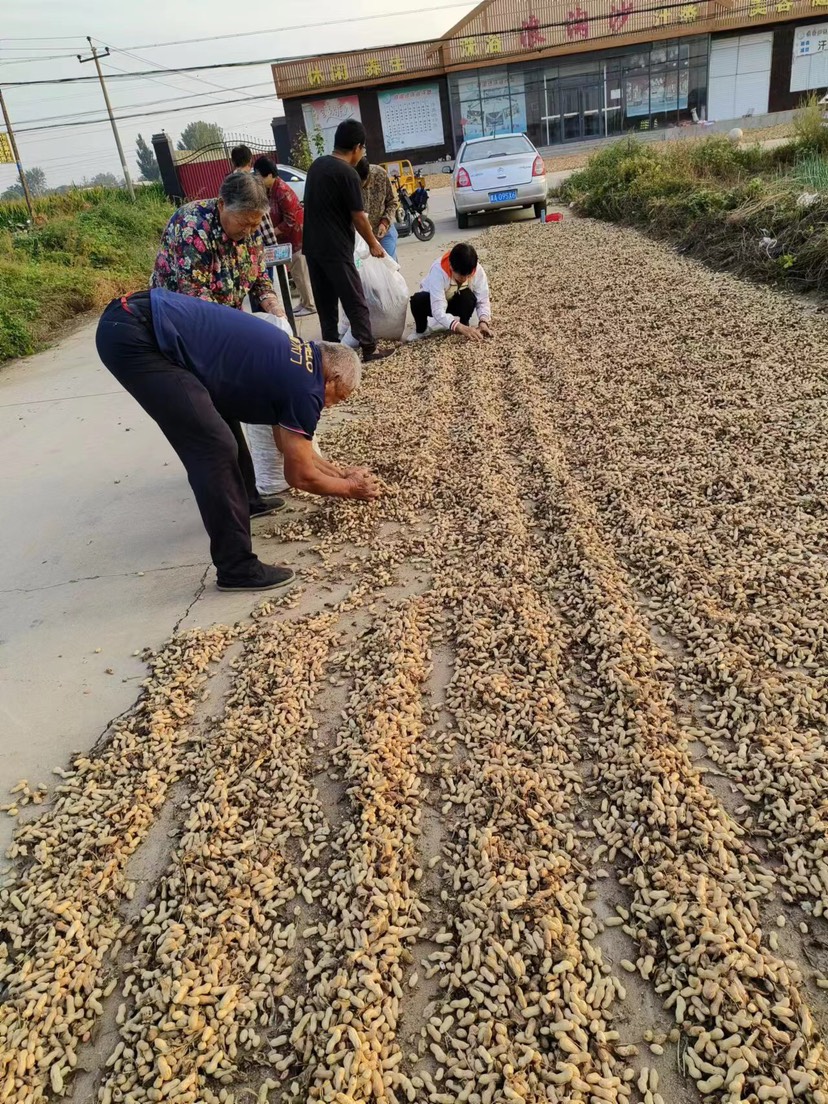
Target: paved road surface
(102, 551)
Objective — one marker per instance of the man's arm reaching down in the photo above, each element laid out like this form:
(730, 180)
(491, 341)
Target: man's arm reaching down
(307, 471)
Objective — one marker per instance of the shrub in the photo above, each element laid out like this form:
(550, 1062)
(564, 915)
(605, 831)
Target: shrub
(809, 126)
(89, 246)
(732, 207)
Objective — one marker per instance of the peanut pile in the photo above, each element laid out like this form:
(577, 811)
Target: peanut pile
(521, 795)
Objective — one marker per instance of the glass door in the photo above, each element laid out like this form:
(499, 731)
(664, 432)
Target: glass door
(552, 111)
(592, 96)
(575, 108)
(613, 114)
(571, 111)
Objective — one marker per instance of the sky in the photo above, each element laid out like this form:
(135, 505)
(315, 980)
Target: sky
(40, 40)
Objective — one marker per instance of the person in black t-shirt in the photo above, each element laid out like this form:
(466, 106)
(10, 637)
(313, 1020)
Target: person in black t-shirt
(334, 208)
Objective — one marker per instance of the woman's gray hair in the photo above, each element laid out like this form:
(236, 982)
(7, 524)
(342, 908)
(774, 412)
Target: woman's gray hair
(342, 364)
(242, 191)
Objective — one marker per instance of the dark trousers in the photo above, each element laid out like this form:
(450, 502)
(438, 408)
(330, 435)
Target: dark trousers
(181, 405)
(334, 282)
(460, 306)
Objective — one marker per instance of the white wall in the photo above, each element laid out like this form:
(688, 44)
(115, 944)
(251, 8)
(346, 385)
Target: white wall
(739, 80)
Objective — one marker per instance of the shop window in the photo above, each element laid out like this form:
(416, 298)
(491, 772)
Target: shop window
(636, 61)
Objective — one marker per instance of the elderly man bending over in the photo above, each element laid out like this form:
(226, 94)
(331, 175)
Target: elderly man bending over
(192, 365)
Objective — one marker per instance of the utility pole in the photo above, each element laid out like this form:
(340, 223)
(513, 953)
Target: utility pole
(95, 57)
(13, 143)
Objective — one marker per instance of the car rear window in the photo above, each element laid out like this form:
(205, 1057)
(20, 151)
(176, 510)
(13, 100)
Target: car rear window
(497, 147)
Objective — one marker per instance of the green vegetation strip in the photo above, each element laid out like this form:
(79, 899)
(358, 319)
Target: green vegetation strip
(758, 212)
(86, 247)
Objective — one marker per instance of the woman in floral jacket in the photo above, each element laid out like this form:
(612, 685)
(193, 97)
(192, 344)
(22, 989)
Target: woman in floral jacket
(212, 249)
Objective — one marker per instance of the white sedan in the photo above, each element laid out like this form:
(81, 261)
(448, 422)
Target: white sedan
(295, 179)
(495, 173)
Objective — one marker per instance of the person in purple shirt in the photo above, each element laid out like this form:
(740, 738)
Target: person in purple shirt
(191, 365)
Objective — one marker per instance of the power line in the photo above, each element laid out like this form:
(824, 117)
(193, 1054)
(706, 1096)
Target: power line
(212, 88)
(305, 26)
(240, 34)
(78, 157)
(150, 72)
(20, 61)
(199, 80)
(77, 116)
(145, 114)
(41, 38)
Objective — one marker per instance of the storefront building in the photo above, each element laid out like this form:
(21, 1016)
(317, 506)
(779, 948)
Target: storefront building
(564, 71)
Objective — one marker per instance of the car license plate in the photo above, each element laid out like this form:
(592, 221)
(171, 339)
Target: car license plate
(502, 197)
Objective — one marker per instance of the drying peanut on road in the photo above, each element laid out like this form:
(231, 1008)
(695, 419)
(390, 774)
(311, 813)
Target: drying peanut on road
(522, 795)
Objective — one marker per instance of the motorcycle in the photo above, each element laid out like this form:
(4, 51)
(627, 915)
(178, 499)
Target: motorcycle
(411, 216)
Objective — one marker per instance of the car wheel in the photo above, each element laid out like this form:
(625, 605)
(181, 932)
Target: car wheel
(539, 209)
(462, 221)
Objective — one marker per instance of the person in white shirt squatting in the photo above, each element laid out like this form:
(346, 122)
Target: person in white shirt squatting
(455, 287)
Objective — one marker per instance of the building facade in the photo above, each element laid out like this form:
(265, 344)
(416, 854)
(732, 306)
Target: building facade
(564, 71)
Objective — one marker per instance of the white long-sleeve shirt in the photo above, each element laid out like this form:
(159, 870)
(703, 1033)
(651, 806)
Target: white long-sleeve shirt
(440, 286)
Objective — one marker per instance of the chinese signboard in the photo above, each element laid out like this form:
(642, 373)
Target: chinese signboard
(810, 40)
(324, 116)
(809, 68)
(411, 117)
(6, 155)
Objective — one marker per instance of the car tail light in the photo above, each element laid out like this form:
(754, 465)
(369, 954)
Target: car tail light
(538, 169)
(463, 179)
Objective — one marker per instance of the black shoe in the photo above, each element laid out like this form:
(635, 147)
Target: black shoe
(264, 509)
(369, 354)
(263, 577)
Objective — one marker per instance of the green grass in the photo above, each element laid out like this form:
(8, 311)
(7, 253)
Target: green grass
(811, 172)
(87, 247)
(718, 201)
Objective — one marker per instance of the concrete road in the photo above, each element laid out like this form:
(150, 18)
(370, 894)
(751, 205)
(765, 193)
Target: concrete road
(102, 551)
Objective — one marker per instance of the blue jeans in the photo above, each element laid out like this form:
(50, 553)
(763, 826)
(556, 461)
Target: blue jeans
(389, 242)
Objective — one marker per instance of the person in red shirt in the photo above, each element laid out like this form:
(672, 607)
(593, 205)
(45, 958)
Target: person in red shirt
(288, 219)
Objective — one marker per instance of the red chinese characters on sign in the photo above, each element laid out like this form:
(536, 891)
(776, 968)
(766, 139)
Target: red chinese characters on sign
(530, 35)
(619, 15)
(577, 23)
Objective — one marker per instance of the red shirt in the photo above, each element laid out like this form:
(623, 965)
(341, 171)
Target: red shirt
(287, 214)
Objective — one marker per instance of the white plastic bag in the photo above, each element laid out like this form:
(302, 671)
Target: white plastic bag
(268, 462)
(386, 294)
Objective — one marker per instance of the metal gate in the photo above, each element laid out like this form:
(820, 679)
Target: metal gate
(200, 172)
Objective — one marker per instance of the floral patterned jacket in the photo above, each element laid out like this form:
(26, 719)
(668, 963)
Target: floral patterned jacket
(380, 198)
(197, 258)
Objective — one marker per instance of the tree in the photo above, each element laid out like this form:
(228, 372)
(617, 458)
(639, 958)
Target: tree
(197, 135)
(301, 152)
(147, 163)
(35, 178)
(104, 180)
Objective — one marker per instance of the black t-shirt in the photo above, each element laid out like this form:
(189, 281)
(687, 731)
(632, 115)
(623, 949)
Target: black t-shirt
(253, 371)
(332, 193)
